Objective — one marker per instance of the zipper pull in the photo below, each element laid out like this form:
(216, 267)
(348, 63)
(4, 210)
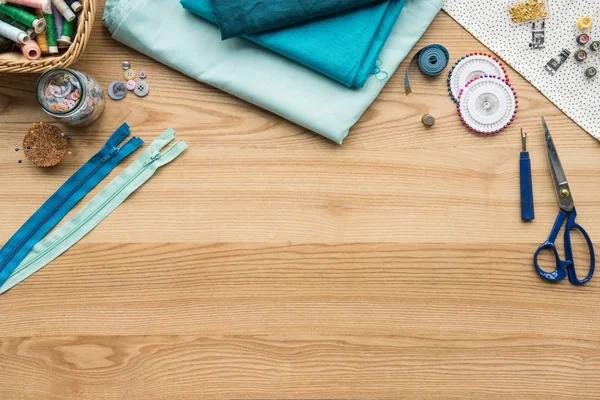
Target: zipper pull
(155, 156)
(110, 154)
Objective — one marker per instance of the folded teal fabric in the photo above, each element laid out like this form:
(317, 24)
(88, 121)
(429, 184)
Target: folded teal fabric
(344, 46)
(244, 17)
(161, 28)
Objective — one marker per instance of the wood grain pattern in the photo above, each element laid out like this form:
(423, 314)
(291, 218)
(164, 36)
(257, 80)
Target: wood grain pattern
(269, 263)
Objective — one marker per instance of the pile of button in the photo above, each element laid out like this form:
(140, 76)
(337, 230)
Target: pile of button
(117, 90)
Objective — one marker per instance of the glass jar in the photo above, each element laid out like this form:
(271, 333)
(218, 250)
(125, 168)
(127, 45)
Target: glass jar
(70, 96)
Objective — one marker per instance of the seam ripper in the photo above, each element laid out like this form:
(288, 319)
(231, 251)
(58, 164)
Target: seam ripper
(527, 211)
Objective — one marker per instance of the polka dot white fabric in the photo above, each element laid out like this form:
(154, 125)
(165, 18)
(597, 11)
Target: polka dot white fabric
(569, 88)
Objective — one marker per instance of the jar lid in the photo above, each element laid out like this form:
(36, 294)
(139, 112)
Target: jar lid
(59, 91)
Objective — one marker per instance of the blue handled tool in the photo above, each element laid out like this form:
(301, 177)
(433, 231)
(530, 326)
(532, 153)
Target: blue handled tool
(567, 212)
(527, 211)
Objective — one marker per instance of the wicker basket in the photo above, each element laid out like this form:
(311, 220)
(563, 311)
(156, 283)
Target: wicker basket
(17, 63)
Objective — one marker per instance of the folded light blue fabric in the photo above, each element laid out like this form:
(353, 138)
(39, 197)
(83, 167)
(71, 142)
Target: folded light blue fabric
(244, 17)
(344, 46)
(161, 28)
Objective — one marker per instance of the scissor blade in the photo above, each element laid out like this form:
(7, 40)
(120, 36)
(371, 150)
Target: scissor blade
(563, 192)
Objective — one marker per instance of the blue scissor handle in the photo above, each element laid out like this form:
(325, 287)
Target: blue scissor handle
(565, 267)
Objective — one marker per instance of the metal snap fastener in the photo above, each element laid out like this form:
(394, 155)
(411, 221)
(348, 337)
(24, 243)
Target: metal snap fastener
(591, 72)
(583, 39)
(126, 65)
(581, 55)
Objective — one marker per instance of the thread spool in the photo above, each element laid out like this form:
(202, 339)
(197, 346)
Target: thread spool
(75, 5)
(58, 21)
(31, 50)
(12, 22)
(12, 33)
(43, 43)
(51, 34)
(40, 4)
(68, 29)
(22, 16)
(64, 9)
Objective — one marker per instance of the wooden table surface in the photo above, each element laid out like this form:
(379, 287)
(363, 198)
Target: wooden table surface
(270, 263)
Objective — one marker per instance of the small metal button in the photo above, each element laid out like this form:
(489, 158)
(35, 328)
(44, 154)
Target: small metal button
(143, 75)
(581, 55)
(428, 120)
(595, 46)
(129, 75)
(117, 90)
(130, 85)
(583, 39)
(591, 72)
(126, 65)
(141, 89)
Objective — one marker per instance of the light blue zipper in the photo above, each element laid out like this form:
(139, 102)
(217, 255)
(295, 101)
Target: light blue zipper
(100, 207)
(64, 199)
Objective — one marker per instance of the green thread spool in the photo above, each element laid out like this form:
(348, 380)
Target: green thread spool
(51, 33)
(22, 16)
(68, 29)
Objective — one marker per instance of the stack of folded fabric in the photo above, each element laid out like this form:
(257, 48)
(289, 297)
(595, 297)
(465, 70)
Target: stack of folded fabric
(315, 63)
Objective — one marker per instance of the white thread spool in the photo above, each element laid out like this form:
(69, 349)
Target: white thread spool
(12, 33)
(64, 9)
(39, 25)
(76, 6)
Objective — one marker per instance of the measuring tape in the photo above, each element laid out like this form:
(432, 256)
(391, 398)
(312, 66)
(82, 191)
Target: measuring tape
(432, 60)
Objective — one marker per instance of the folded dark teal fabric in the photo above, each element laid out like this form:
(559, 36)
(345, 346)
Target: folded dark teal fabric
(244, 17)
(343, 46)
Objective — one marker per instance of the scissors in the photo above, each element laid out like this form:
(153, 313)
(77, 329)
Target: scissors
(567, 212)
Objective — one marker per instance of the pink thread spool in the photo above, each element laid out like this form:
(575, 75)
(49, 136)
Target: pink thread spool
(31, 50)
(41, 4)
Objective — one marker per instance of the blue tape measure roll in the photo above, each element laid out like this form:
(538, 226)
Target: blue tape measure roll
(432, 60)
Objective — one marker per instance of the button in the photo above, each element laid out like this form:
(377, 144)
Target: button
(126, 65)
(129, 75)
(581, 55)
(583, 39)
(595, 46)
(130, 85)
(143, 75)
(584, 23)
(591, 72)
(141, 89)
(117, 90)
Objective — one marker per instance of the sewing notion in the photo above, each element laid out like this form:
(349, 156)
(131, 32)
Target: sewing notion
(470, 66)
(158, 154)
(70, 96)
(566, 213)
(527, 208)
(38, 27)
(432, 60)
(45, 145)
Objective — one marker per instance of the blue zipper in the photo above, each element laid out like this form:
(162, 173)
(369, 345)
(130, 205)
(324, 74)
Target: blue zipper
(65, 198)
